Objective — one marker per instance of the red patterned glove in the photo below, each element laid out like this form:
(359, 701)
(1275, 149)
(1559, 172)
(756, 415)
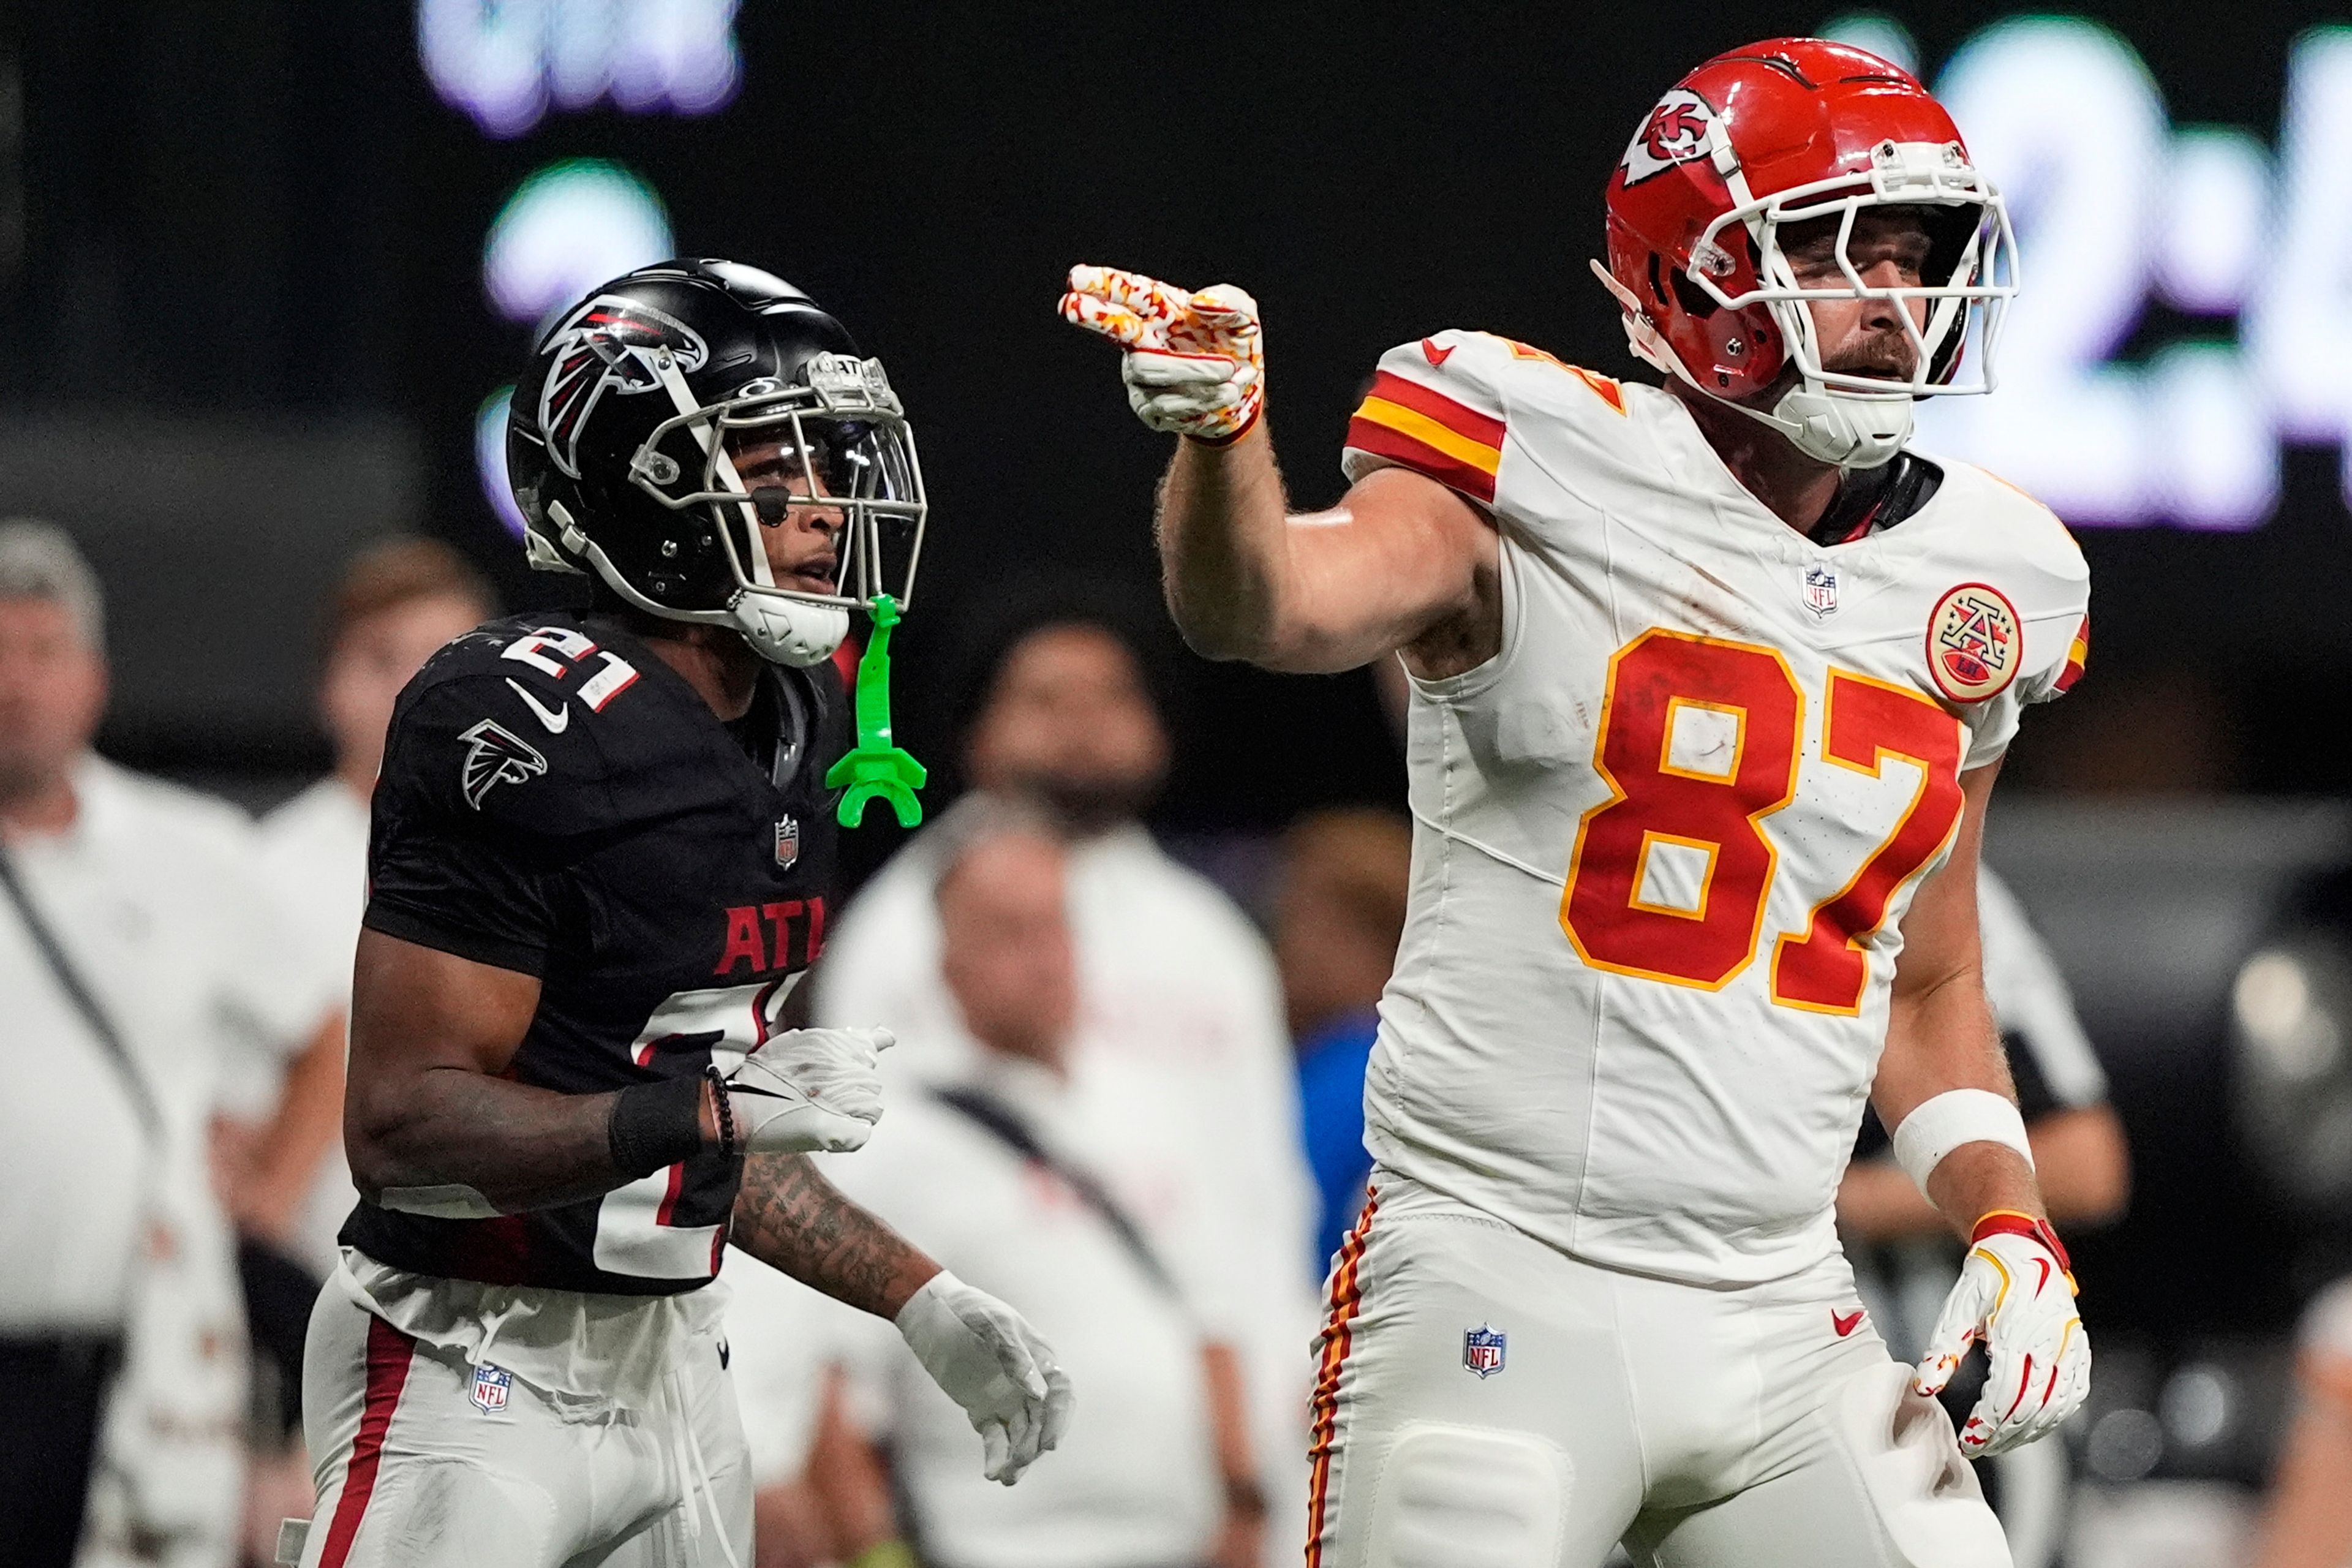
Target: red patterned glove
(1194, 366)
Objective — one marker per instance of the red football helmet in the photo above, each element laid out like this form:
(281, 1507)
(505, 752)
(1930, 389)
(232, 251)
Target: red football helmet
(1778, 133)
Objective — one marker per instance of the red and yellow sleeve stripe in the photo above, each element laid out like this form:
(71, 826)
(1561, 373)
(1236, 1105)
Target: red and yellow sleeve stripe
(2077, 655)
(1410, 424)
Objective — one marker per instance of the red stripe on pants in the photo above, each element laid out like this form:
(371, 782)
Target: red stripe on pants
(1347, 1297)
(388, 1354)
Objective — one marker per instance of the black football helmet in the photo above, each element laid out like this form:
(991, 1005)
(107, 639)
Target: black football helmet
(617, 445)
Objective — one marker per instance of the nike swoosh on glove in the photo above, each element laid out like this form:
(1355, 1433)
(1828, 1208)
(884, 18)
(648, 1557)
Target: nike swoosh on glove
(2016, 1294)
(809, 1090)
(986, 1357)
(1195, 364)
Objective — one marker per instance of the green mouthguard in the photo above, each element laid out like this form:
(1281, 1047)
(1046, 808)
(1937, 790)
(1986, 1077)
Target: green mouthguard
(878, 766)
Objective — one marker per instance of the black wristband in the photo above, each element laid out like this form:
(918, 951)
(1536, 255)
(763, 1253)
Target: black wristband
(656, 1124)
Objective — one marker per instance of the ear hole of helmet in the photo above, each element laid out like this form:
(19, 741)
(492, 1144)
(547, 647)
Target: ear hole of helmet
(1950, 230)
(1948, 353)
(1693, 298)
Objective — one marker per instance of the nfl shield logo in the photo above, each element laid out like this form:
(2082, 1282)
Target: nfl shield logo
(1482, 1351)
(1821, 590)
(788, 842)
(490, 1388)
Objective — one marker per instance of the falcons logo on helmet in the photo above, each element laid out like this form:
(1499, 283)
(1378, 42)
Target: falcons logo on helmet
(607, 345)
(496, 755)
(1675, 133)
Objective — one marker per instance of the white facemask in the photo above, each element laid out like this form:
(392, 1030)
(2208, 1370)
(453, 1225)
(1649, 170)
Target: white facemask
(1851, 431)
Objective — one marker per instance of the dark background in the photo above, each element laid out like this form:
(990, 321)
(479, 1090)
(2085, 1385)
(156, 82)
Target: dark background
(244, 329)
(262, 215)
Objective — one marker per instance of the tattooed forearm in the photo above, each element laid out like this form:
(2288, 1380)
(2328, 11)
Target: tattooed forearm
(789, 1217)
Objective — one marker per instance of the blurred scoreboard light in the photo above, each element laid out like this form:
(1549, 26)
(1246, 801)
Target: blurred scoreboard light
(2299, 317)
(490, 459)
(2243, 251)
(507, 62)
(568, 228)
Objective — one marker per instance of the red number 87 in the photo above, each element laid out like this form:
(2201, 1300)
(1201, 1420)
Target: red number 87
(1699, 742)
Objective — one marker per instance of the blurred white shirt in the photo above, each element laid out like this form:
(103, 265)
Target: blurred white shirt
(2326, 1327)
(153, 895)
(1135, 1479)
(781, 1337)
(1184, 1093)
(314, 857)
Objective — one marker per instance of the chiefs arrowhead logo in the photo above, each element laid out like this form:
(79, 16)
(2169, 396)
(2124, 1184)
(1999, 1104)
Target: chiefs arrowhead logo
(1845, 1323)
(607, 345)
(1432, 354)
(1675, 133)
(496, 755)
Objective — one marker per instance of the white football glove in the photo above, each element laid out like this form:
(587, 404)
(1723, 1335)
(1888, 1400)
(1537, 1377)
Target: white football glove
(2016, 1294)
(1194, 364)
(987, 1359)
(808, 1091)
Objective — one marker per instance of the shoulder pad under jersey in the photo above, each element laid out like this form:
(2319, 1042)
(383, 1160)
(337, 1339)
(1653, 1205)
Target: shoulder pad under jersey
(503, 725)
(1446, 406)
(2013, 540)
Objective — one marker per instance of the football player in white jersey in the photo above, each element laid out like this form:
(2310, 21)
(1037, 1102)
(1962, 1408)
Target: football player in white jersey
(1710, 686)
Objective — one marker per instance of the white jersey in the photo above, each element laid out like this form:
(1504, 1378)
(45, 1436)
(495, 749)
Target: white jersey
(1135, 1479)
(1665, 838)
(1185, 1068)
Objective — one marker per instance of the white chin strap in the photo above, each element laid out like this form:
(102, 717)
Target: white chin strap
(789, 631)
(1850, 431)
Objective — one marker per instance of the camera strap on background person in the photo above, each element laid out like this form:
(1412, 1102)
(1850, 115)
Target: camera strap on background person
(998, 1121)
(69, 981)
(54, 1386)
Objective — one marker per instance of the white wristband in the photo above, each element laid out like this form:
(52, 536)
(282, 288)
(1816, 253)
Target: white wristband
(1942, 1123)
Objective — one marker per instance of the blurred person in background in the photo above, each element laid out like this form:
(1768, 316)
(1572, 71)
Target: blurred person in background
(396, 603)
(2307, 1521)
(996, 1175)
(782, 1353)
(1180, 1056)
(1338, 909)
(2078, 1141)
(1905, 1256)
(148, 993)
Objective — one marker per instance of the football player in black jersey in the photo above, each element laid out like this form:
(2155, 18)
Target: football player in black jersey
(600, 859)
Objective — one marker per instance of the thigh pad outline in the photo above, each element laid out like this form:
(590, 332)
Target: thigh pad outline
(1468, 1496)
(1924, 1493)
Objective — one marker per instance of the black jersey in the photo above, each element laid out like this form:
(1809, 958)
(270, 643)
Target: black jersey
(558, 801)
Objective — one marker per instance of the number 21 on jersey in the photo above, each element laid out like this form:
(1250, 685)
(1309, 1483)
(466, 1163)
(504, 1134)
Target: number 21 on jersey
(1699, 742)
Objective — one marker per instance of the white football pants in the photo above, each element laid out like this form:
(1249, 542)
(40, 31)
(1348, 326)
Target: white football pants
(414, 1470)
(1760, 1427)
